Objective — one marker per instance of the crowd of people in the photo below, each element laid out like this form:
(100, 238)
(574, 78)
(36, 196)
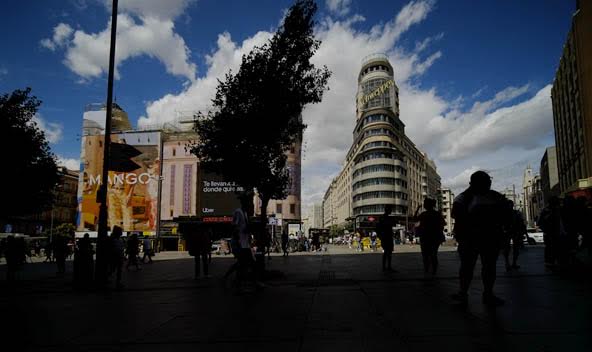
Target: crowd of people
(486, 225)
(60, 248)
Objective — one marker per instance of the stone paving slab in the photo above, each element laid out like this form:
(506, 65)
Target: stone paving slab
(323, 302)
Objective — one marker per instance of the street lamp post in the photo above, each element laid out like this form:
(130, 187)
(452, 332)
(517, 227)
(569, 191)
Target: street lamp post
(101, 264)
(55, 188)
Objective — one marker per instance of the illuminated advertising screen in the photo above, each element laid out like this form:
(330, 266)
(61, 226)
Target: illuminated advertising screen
(132, 196)
(218, 197)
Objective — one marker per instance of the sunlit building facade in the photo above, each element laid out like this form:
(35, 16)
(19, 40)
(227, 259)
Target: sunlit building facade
(383, 166)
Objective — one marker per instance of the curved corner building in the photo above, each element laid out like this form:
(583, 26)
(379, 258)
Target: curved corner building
(383, 167)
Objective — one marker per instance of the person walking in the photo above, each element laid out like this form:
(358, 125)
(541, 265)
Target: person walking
(480, 214)
(12, 258)
(133, 249)
(550, 222)
(240, 220)
(569, 231)
(198, 243)
(431, 234)
(83, 262)
(384, 229)
(515, 232)
(235, 250)
(60, 252)
(147, 249)
(285, 241)
(48, 252)
(117, 249)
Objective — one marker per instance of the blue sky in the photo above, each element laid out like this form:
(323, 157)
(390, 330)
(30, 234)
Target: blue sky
(481, 62)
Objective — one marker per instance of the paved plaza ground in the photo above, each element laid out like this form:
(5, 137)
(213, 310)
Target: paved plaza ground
(339, 300)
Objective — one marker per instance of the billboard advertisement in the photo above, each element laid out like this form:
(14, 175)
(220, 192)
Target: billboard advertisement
(218, 197)
(132, 196)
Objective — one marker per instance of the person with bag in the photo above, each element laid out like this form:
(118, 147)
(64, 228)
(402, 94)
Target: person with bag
(431, 234)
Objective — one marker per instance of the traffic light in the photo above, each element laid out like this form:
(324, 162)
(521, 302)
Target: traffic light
(121, 157)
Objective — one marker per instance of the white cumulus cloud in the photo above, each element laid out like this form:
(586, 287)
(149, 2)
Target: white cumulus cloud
(161, 9)
(69, 163)
(53, 131)
(198, 95)
(61, 34)
(338, 7)
(143, 28)
(500, 132)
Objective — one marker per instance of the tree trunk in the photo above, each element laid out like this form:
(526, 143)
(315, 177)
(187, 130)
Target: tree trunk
(263, 209)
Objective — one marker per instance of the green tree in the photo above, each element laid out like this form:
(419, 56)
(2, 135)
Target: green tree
(64, 230)
(30, 172)
(335, 231)
(256, 113)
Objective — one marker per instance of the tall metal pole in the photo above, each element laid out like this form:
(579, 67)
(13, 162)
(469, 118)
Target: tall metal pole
(158, 210)
(102, 255)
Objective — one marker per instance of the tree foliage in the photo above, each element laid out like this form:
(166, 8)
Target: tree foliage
(256, 113)
(64, 230)
(30, 171)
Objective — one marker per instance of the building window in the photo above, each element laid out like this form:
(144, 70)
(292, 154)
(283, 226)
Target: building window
(187, 181)
(172, 186)
(292, 208)
(278, 208)
(174, 152)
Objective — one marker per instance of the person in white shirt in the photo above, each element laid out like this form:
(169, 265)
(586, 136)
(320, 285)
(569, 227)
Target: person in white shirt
(147, 248)
(240, 220)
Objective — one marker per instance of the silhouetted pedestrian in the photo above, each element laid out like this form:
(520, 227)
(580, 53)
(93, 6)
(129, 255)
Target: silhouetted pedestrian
(2, 247)
(198, 245)
(267, 243)
(515, 230)
(384, 229)
(584, 228)
(568, 232)
(117, 249)
(431, 234)
(147, 249)
(11, 254)
(235, 250)
(83, 262)
(133, 249)
(550, 222)
(48, 252)
(285, 241)
(60, 251)
(240, 220)
(480, 215)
